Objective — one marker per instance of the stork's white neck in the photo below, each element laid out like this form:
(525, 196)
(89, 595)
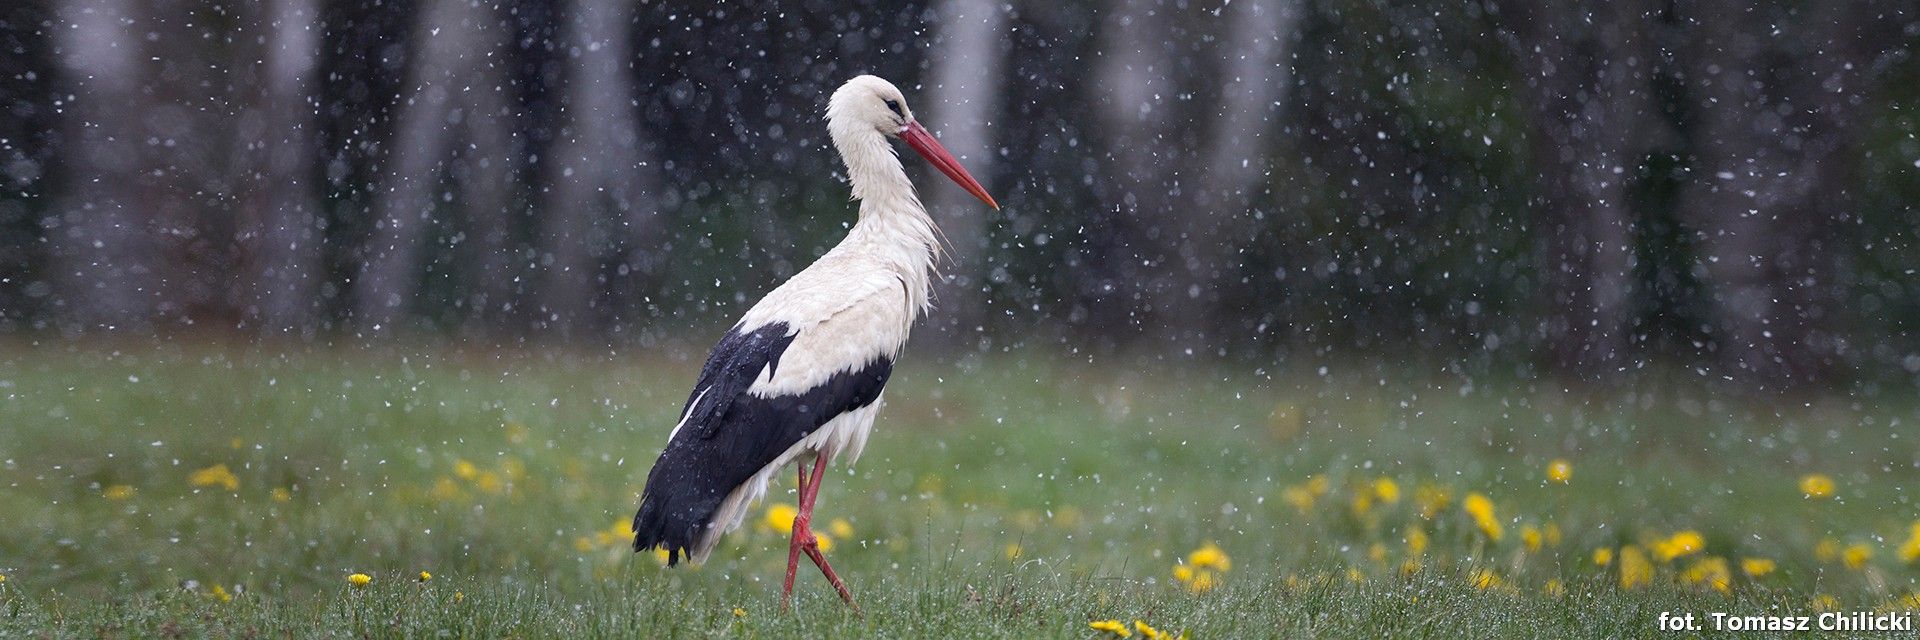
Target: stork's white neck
(893, 227)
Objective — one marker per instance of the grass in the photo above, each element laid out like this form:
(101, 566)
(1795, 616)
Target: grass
(1005, 497)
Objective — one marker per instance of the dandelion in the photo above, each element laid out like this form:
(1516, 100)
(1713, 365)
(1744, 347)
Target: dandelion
(1299, 497)
(1416, 542)
(1827, 550)
(1635, 570)
(1757, 567)
(1530, 538)
(215, 476)
(1910, 550)
(1602, 556)
(1114, 627)
(1856, 555)
(359, 580)
(425, 577)
(1680, 544)
(1013, 551)
(780, 517)
(1377, 552)
(1386, 490)
(1183, 573)
(1711, 571)
(465, 470)
(1202, 582)
(282, 494)
(1481, 509)
(1559, 471)
(117, 492)
(1147, 631)
(1816, 485)
(1824, 602)
(739, 612)
(1210, 556)
(220, 593)
(1432, 500)
(1484, 579)
(825, 541)
(840, 528)
(661, 555)
(1554, 588)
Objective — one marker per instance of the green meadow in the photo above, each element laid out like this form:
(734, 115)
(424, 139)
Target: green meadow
(222, 491)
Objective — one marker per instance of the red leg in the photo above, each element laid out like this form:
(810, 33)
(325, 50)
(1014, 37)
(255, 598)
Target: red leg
(793, 548)
(809, 495)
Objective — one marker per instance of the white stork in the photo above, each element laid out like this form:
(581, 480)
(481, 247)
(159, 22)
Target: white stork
(799, 378)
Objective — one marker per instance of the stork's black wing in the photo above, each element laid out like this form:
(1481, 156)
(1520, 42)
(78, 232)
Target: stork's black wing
(727, 435)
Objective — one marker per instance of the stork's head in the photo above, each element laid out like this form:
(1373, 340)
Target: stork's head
(869, 104)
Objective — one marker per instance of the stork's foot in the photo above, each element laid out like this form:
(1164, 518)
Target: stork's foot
(805, 542)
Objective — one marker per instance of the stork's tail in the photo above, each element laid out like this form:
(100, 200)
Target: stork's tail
(662, 524)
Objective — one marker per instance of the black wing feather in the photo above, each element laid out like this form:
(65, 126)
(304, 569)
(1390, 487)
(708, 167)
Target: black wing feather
(727, 435)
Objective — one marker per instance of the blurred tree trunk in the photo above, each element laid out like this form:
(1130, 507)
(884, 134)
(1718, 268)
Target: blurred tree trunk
(458, 83)
(1129, 237)
(1777, 98)
(1588, 84)
(600, 186)
(105, 247)
(1257, 78)
(968, 62)
(280, 217)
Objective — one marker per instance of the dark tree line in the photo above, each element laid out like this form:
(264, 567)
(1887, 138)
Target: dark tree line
(1579, 186)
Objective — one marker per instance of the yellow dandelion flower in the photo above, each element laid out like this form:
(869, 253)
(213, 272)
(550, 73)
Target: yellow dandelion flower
(1432, 499)
(359, 580)
(1013, 551)
(489, 482)
(1386, 490)
(1554, 588)
(1354, 576)
(1602, 556)
(583, 544)
(1824, 602)
(3, 578)
(1299, 497)
(1409, 567)
(1114, 627)
(1203, 582)
(220, 593)
(841, 528)
(1856, 555)
(1910, 550)
(1559, 471)
(282, 494)
(1416, 541)
(1827, 550)
(1816, 485)
(117, 492)
(825, 541)
(1530, 538)
(1362, 503)
(661, 555)
(739, 612)
(1481, 509)
(780, 517)
(1635, 569)
(215, 476)
(1680, 544)
(1317, 484)
(1377, 552)
(1552, 532)
(1210, 556)
(1757, 567)
(1183, 573)
(1147, 631)
(1710, 571)
(424, 576)
(1484, 579)
(465, 470)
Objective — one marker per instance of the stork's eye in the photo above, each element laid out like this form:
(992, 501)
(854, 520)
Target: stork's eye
(895, 106)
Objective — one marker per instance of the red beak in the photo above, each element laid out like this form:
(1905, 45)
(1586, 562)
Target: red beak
(929, 148)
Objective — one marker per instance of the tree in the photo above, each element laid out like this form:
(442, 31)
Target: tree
(1587, 82)
(105, 251)
(279, 231)
(600, 185)
(459, 94)
(968, 63)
